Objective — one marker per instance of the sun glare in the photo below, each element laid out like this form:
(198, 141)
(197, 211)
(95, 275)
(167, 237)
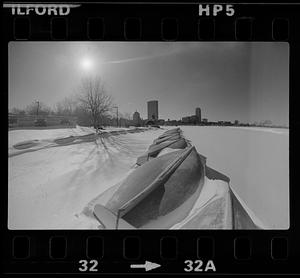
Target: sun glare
(86, 64)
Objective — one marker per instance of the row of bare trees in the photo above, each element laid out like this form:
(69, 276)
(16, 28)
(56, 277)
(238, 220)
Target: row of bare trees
(90, 103)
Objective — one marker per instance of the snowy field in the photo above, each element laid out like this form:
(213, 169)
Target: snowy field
(49, 187)
(257, 162)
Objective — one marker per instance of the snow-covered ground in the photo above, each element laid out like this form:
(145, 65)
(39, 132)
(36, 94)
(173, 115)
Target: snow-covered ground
(257, 162)
(49, 188)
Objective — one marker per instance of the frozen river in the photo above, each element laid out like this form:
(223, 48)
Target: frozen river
(257, 162)
(49, 187)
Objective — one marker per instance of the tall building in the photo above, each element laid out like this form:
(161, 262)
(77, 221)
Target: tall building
(198, 114)
(152, 110)
(136, 118)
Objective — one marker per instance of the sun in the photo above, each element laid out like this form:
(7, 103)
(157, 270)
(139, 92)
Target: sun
(86, 64)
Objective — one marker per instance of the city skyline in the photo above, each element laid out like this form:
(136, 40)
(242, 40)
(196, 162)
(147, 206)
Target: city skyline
(247, 82)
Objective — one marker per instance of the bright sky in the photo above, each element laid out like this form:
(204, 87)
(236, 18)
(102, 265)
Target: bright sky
(229, 81)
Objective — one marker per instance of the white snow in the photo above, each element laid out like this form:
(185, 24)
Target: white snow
(19, 135)
(257, 162)
(48, 188)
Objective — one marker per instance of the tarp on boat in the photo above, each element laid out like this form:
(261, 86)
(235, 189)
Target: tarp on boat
(170, 132)
(179, 144)
(177, 129)
(175, 189)
(241, 218)
(139, 179)
(158, 187)
(169, 137)
(155, 149)
(217, 208)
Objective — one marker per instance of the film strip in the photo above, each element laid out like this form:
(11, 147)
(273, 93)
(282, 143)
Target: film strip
(33, 251)
(155, 25)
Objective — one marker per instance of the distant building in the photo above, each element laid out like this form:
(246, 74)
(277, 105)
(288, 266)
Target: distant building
(194, 119)
(198, 114)
(161, 121)
(205, 120)
(190, 120)
(225, 123)
(136, 118)
(185, 120)
(152, 110)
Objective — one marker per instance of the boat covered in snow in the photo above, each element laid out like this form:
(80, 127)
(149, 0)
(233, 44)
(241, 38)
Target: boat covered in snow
(171, 187)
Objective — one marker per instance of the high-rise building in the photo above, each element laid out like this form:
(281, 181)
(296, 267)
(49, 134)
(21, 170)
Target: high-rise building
(152, 110)
(198, 114)
(136, 118)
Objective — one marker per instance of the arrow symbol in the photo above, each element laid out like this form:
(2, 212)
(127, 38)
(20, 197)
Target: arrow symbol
(148, 265)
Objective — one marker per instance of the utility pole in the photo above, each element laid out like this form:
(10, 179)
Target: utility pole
(117, 116)
(37, 108)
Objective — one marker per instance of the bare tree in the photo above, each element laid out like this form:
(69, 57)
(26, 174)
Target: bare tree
(94, 99)
(67, 106)
(38, 108)
(18, 111)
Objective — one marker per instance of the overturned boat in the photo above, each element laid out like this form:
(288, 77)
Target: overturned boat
(171, 187)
